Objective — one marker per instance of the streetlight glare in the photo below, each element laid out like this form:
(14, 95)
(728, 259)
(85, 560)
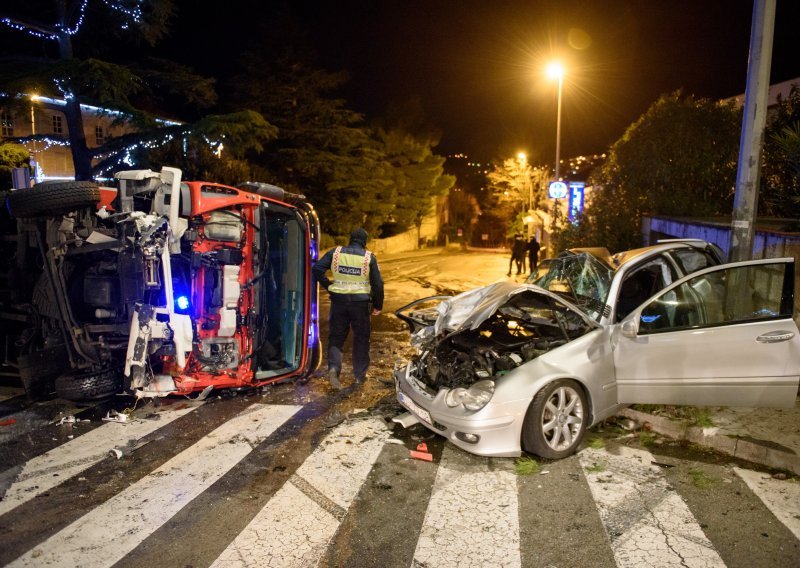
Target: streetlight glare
(522, 157)
(555, 70)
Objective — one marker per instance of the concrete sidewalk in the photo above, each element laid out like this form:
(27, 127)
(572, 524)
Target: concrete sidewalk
(766, 436)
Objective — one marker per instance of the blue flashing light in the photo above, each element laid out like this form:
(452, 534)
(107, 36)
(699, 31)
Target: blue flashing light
(650, 319)
(182, 304)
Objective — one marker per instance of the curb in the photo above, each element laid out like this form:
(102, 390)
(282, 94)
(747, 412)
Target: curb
(735, 447)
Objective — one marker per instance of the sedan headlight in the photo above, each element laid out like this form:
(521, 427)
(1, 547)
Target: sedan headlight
(474, 398)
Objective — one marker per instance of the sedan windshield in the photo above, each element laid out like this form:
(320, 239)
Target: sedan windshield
(581, 278)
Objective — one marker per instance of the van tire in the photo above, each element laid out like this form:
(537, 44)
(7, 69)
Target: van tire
(51, 198)
(88, 386)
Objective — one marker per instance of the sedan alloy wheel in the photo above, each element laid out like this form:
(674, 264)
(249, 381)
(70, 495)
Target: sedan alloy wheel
(556, 420)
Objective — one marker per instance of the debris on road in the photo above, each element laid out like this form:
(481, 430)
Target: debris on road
(421, 453)
(114, 416)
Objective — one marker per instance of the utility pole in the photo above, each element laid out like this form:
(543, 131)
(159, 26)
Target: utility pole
(745, 203)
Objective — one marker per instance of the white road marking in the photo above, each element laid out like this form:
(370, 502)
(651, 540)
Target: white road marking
(53, 468)
(647, 522)
(110, 531)
(298, 523)
(780, 497)
(472, 517)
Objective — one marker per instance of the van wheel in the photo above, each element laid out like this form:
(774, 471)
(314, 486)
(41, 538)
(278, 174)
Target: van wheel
(50, 198)
(91, 385)
(556, 420)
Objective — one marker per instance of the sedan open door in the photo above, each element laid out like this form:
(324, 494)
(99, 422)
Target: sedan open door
(723, 336)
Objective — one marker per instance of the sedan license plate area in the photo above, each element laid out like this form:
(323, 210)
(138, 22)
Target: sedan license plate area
(414, 407)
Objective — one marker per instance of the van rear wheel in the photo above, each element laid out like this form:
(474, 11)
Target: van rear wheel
(50, 198)
(90, 385)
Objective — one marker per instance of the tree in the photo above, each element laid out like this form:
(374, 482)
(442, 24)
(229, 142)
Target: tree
(115, 86)
(512, 185)
(323, 149)
(417, 174)
(677, 159)
(780, 170)
(11, 156)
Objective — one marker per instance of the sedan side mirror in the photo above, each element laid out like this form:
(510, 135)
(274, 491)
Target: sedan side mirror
(630, 327)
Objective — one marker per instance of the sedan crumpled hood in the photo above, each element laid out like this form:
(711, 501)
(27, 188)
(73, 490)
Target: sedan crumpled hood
(470, 309)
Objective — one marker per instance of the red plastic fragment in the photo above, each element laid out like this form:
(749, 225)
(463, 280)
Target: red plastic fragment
(422, 447)
(424, 456)
(8, 422)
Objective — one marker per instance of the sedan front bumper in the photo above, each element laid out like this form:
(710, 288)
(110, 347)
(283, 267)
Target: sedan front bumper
(492, 431)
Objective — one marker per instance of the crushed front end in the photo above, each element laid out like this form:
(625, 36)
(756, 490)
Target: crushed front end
(471, 377)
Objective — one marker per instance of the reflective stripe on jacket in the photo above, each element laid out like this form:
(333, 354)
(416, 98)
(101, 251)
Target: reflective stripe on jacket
(350, 273)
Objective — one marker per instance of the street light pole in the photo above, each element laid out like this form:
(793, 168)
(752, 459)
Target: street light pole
(556, 71)
(558, 123)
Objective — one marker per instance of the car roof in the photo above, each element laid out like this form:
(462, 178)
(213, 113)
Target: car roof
(626, 257)
(600, 253)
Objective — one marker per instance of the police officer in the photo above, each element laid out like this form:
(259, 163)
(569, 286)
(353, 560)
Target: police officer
(356, 282)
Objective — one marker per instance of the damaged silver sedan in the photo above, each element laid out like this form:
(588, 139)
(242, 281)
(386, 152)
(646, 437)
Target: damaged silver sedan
(512, 367)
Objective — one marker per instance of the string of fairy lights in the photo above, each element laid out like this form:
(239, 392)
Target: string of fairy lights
(131, 11)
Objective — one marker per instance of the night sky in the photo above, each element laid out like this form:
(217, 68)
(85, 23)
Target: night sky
(476, 67)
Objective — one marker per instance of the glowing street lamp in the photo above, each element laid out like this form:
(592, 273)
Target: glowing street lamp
(556, 71)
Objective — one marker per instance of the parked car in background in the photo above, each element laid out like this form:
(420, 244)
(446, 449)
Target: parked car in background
(512, 367)
(157, 286)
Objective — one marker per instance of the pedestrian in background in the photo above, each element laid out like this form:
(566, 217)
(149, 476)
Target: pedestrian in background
(356, 293)
(533, 254)
(517, 254)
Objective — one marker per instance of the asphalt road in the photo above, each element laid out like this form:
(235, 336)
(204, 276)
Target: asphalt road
(300, 475)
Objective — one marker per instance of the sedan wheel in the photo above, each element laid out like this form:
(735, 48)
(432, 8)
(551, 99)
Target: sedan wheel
(556, 420)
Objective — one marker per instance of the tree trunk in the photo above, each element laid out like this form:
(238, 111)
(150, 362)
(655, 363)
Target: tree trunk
(81, 157)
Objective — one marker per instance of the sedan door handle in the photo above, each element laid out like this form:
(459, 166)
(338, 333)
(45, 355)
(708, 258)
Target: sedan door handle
(775, 336)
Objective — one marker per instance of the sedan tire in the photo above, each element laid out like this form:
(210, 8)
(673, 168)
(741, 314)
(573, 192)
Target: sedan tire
(556, 420)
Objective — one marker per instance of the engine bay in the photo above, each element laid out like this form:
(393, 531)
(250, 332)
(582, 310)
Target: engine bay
(525, 327)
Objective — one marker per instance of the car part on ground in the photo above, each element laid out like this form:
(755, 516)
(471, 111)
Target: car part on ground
(512, 367)
(158, 286)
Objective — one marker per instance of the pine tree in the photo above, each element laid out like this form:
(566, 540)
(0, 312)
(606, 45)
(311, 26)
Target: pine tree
(113, 86)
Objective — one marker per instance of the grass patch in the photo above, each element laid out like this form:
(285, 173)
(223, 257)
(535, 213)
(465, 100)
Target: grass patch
(701, 479)
(646, 438)
(526, 466)
(597, 443)
(701, 417)
(596, 468)
(649, 408)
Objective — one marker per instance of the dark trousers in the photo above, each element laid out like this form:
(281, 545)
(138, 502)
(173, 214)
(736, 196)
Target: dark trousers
(520, 261)
(343, 316)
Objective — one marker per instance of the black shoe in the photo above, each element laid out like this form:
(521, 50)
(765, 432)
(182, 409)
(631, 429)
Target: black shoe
(333, 378)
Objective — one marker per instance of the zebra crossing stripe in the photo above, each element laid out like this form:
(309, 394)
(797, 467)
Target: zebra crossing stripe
(472, 517)
(781, 498)
(647, 522)
(298, 523)
(70, 459)
(110, 531)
